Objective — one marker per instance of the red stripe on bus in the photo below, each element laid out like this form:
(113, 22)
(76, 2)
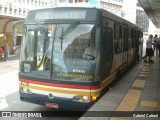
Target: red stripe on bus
(60, 85)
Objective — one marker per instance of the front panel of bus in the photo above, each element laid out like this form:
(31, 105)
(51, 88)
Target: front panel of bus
(53, 69)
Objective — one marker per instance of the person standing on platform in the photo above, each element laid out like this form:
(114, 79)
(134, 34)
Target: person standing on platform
(155, 46)
(158, 44)
(149, 50)
(6, 50)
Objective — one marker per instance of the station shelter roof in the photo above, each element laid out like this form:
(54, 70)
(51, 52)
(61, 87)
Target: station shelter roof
(6, 24)
(152, 9)
(6, 28)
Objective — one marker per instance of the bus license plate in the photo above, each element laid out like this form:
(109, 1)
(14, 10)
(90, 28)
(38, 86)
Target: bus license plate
(51, 105)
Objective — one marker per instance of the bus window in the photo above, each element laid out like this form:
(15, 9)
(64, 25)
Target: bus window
(107, 53)
(30, 46)
(44, 52)
(68, 62)
(37, 47)
(117, 38)
(129, 39)
(40, 48)
(125, 39)
(133, 37)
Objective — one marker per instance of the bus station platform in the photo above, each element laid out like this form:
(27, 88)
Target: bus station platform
(137, 92)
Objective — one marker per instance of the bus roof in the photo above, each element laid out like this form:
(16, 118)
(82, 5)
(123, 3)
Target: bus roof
(91, 17)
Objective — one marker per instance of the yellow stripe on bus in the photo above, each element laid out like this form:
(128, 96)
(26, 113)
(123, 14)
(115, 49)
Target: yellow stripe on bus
(107, 81)
(93, 93)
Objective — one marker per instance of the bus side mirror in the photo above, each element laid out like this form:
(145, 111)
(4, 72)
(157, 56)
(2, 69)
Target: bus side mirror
(20, 22)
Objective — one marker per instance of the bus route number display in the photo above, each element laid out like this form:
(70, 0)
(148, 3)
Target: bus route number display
(60, 14)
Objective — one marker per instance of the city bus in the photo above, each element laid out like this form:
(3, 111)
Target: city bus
(53, 70)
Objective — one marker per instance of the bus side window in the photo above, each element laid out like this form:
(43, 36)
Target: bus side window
(117, 38)
(125, 39)
(107, 53)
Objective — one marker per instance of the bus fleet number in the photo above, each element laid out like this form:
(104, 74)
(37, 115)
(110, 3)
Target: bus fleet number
(25, 83)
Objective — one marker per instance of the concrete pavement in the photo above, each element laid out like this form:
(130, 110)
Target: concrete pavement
(12, 59)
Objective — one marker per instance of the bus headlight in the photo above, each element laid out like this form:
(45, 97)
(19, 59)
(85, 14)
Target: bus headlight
(77, 98)
(22, 89)
(82, 98)
(29, 91)
(25, 90)
(85, 98)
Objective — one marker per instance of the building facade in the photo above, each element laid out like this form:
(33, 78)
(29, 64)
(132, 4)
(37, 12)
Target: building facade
(114, 6)
(142, 19)
(12, 10)
(19, 8)
(135, 14)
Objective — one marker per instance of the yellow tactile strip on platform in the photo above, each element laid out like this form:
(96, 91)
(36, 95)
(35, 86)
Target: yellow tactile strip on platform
(139, 83)
(143, 75)
(130, 101)
(146, 69)
(145, 72)
(149, 104)
(118, 118)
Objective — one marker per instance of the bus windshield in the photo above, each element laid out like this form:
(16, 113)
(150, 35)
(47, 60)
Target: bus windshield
(59, 51)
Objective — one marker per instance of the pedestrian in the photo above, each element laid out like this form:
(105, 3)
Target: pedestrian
(6, 50)
(158, 44)
(155, 46)
(149, 50)
(1, 53)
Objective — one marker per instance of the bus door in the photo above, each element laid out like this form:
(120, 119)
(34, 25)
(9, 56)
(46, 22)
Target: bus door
(137, 44)
(107, 47)
(125, 45)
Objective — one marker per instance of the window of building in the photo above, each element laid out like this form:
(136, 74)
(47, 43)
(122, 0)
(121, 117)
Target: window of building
(42, 4)
(119, 1)
(10, 10)
(70, 1)
(36, 2)
(32, 2)
(5, 10)
(0, 8)
(15, 11)
(24, 12)
(20, 11)
(63, 1)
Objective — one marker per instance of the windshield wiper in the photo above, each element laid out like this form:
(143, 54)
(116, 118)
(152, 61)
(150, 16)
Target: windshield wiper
(68, 31)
